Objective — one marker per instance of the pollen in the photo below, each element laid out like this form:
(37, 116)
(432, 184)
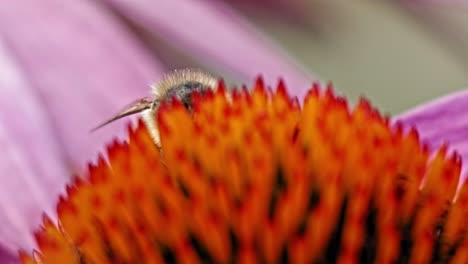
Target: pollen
(256, 177)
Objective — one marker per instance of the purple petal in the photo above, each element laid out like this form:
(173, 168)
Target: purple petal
(31, 166)
(296, 13)
(442, 2)
(444, 120)
(64, 67)
(217, 36)
(7, 258)
(82, 64)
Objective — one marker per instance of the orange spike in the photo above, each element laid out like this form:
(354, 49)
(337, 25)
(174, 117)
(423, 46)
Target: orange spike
(258, 179)
(221, 89)
(25, 258)
(315, 90)
(281, 88)
(259, 84)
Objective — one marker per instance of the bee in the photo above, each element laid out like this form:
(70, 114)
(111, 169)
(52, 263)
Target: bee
(179, 84)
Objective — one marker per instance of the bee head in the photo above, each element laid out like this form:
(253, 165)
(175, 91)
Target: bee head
(181, 84)
(185, 91)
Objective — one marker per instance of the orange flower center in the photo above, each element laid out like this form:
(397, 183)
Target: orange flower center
(256, 178)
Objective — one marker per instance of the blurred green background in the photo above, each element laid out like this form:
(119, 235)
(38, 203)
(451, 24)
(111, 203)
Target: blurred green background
(396, 53)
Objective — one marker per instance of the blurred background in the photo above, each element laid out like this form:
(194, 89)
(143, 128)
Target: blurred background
(397, 53)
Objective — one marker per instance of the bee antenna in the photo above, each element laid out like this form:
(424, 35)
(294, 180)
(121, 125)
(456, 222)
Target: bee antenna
(134, 107)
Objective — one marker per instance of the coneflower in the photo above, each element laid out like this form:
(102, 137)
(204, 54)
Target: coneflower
(263, 179)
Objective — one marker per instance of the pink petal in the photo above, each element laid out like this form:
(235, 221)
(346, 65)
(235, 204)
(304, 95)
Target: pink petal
(442, 2)
(217, 36)
(296, 13)
(64, 67)
(7, 258)
(32, 167)
(83, 65)
(444, 120)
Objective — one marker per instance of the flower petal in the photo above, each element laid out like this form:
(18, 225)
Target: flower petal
(296, 13)
(62, 71)
(7, 258)
(82, 63)
(217, 36)
(32, 169)
(444, 120)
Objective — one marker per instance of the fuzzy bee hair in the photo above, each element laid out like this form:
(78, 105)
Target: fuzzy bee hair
(179, 84)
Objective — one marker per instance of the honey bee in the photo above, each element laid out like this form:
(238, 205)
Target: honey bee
(179, 84)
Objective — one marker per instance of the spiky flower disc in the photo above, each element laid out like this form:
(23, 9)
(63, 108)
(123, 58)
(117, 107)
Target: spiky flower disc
(257, 179)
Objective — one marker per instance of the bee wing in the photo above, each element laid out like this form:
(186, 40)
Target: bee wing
(135, 107)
